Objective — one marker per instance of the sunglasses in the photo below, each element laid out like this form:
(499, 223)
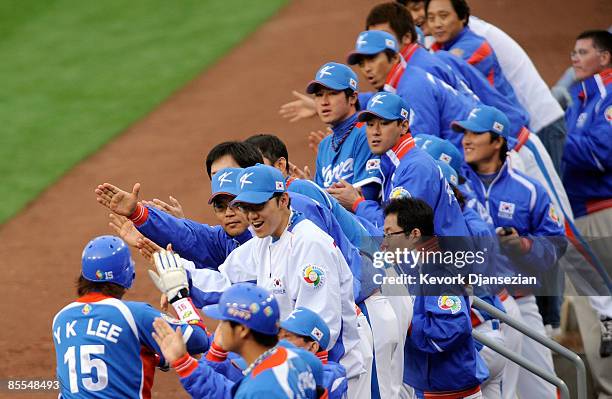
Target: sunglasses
(389, 235)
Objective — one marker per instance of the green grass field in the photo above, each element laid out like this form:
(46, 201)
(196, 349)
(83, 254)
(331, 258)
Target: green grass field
(74, 74)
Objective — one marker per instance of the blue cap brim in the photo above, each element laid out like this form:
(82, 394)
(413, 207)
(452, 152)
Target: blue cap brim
(252, 197)
(312, 86)
(354, 56)
(461, 126)
(293, 327)
(213, 312)
(214, 195)
(364, 116)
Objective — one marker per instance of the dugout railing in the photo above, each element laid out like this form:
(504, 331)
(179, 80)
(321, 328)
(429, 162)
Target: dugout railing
(581, 382)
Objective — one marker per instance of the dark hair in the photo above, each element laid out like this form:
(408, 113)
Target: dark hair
(397, 16)
(458, 194)
(461, 9)
(348, 93)
(406, 2)
(602, 39)
(85, 286)
(503, 151)
(412, 213)
(245, 154)
(262, 339)
(278, 196)
(270, 146)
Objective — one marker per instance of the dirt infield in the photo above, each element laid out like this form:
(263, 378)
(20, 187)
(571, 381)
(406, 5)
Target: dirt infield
(164, 151)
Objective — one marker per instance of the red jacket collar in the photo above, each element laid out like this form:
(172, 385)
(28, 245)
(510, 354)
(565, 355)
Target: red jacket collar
(403, 145)
(93, 297)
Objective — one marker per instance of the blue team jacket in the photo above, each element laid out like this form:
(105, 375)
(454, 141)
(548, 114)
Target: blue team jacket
(440, 354)
(409, 171)
(487, 94)
(587, 158)
(282, 374)
(516, 200)
(476, 51)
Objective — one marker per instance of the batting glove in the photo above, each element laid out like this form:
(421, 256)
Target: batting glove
(171, 277)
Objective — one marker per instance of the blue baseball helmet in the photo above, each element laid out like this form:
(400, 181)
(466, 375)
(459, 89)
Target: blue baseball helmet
(107, 259)
(249, 305)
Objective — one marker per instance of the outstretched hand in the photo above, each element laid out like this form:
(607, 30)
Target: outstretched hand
(315, 138)
(170, 341)
(121, 202)
(302, 108)
(147, 248)
(173, 208)
(295, 171)
(125, 229)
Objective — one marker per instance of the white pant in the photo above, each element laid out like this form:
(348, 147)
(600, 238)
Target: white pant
(386, 335)
(359, 386)
(514, 342)
(496, 363)
(530, 385)
(402, 303)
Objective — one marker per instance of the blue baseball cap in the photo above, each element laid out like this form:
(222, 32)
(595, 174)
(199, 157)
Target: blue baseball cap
(224, 182)
(304, 322)
(387, 106)
(449, 173)
(334, 76)
(372, 42)
(249, 305)
(484, 119)
(440, 150)
(257, 184)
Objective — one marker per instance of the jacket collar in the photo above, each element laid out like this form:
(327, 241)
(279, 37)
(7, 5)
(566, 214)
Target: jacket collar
(93, 297)
(593, 86)
(400, 149)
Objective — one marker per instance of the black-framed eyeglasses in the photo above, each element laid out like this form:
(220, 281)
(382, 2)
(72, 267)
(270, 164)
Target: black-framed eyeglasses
(395, 233)
(221, 205)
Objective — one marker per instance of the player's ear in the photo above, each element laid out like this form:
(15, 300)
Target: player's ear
(314, 347)
(405, 125)
(284, 200)
(281, 164)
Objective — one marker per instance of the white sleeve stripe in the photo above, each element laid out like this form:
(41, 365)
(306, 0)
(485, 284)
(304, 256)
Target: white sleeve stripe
(125, 311)
(597, 163)
(601, 86)
(367, 181)
(436, 346)
(187, 334)
(528, 185)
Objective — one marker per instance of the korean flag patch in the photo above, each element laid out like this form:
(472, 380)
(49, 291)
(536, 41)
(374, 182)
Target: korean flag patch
(280, 185)
(372, 164)
(506, 210)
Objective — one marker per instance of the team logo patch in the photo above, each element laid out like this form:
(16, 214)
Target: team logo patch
(552, 213)
(318, 334)
(254, 308)
(506, 210)
(372, 164)
(280, 185)
(399, 192)
(268, 311)
(452, 303)
(99, 275)
(313, 275)
(608, 114)
(457, 51)
(445, 158)
(86, 309)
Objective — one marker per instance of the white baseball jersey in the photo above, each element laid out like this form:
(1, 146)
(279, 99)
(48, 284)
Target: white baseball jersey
(303, 267)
